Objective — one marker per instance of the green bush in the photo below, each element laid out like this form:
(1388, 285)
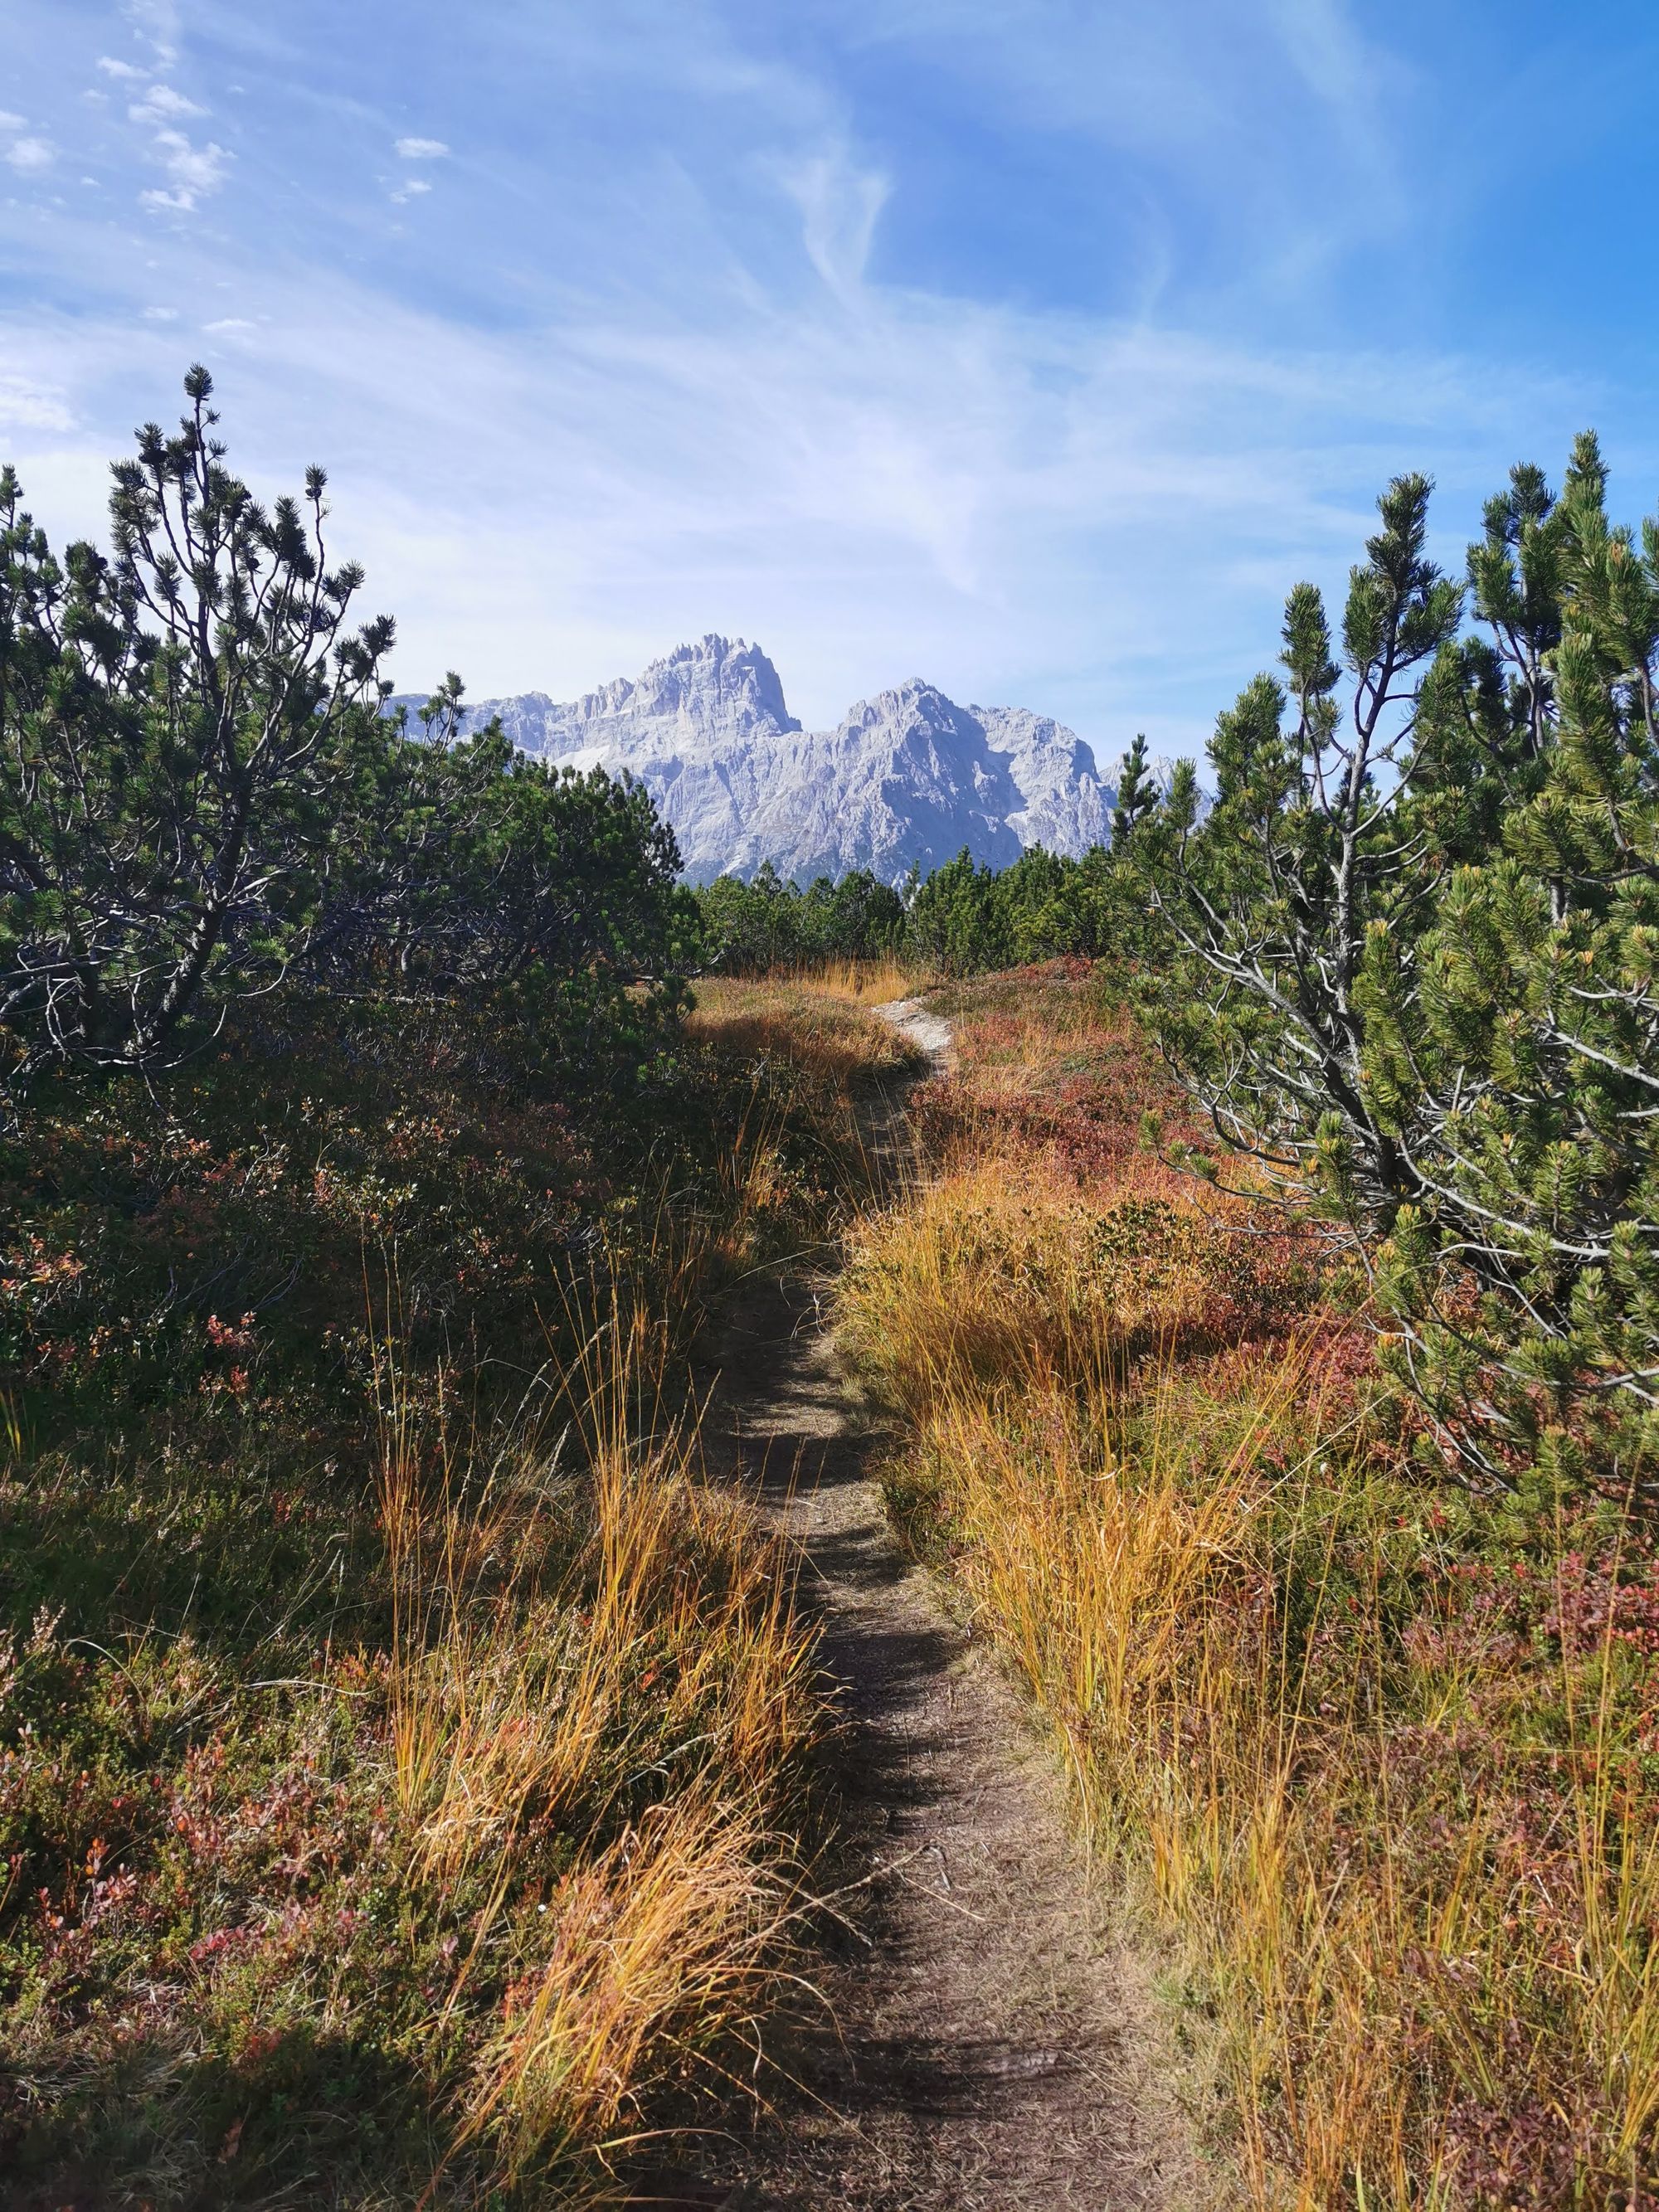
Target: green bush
(1408, 962)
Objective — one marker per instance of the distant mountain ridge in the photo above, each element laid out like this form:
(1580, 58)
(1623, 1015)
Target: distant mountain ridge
(906, 779)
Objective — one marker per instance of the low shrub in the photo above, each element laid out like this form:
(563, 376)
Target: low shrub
(403, 1752)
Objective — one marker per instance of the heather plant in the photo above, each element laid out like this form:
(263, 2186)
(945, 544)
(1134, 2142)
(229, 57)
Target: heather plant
(404, 1749)
(339, 1852)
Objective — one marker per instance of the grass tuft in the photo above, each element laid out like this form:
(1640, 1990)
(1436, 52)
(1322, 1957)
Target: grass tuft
(1382, 1765)
(403, 1748)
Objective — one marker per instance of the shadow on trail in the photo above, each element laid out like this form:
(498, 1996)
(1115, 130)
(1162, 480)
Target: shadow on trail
(980, 2044)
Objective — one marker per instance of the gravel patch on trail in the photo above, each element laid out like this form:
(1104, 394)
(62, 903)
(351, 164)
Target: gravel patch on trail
(982, 2044)
(930, 1032)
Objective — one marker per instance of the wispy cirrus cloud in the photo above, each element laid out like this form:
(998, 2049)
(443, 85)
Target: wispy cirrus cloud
(28, 404)
(1094, 517)
(841, 201)
(1034, 346)
(159, 23)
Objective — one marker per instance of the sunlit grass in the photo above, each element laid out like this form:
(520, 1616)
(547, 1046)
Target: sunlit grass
(1336, 1725)
(609, 1650)
(407, 1806)
(825, 1033)
(862, 983)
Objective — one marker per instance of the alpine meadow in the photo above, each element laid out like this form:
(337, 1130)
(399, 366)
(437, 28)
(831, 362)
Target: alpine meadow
(760, 1456)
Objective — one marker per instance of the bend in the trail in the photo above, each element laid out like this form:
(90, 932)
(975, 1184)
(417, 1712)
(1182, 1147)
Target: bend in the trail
(985, 2044)
(927, 1030)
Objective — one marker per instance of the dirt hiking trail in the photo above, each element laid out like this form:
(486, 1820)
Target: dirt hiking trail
(986, 2047)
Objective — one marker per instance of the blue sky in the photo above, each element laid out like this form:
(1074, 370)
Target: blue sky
(1034, 346)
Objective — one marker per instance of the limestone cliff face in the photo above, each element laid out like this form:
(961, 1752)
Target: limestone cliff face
(906, 778)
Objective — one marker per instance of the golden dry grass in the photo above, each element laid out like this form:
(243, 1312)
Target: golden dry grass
(998, 1275)
(1409, 1859)
(590, 1643)
(589, 1636)
(825, 1032)
(668, 1944)
(453, 1818)
(861, 982)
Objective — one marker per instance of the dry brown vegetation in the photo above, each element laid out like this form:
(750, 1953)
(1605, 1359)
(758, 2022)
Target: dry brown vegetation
(404, 1749)
(863, 982)
(813, 1021)
(1379, 1760)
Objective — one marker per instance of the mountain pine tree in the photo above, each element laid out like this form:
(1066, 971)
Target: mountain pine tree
(1137, 793)
(168, 719)
(1413, 963)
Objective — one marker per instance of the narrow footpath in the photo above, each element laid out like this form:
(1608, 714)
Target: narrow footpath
(982, 2045)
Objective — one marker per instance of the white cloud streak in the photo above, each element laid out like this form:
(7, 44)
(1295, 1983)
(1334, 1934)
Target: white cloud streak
(1096, 519)
(26, 405)
(839, 203)
(194, 173)
(706, 409)
(161, 104)
(156, 22)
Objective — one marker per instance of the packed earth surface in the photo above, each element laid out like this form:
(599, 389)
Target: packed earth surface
(977, 2038)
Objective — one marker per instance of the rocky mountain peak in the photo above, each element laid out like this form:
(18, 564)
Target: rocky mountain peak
(908, 777)
(717, 680)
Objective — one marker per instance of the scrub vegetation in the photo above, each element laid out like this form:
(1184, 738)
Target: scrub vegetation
(407, 1768)
(1374, 1754)
(1275, 1349)
(409, 1778)
(406, 1755)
